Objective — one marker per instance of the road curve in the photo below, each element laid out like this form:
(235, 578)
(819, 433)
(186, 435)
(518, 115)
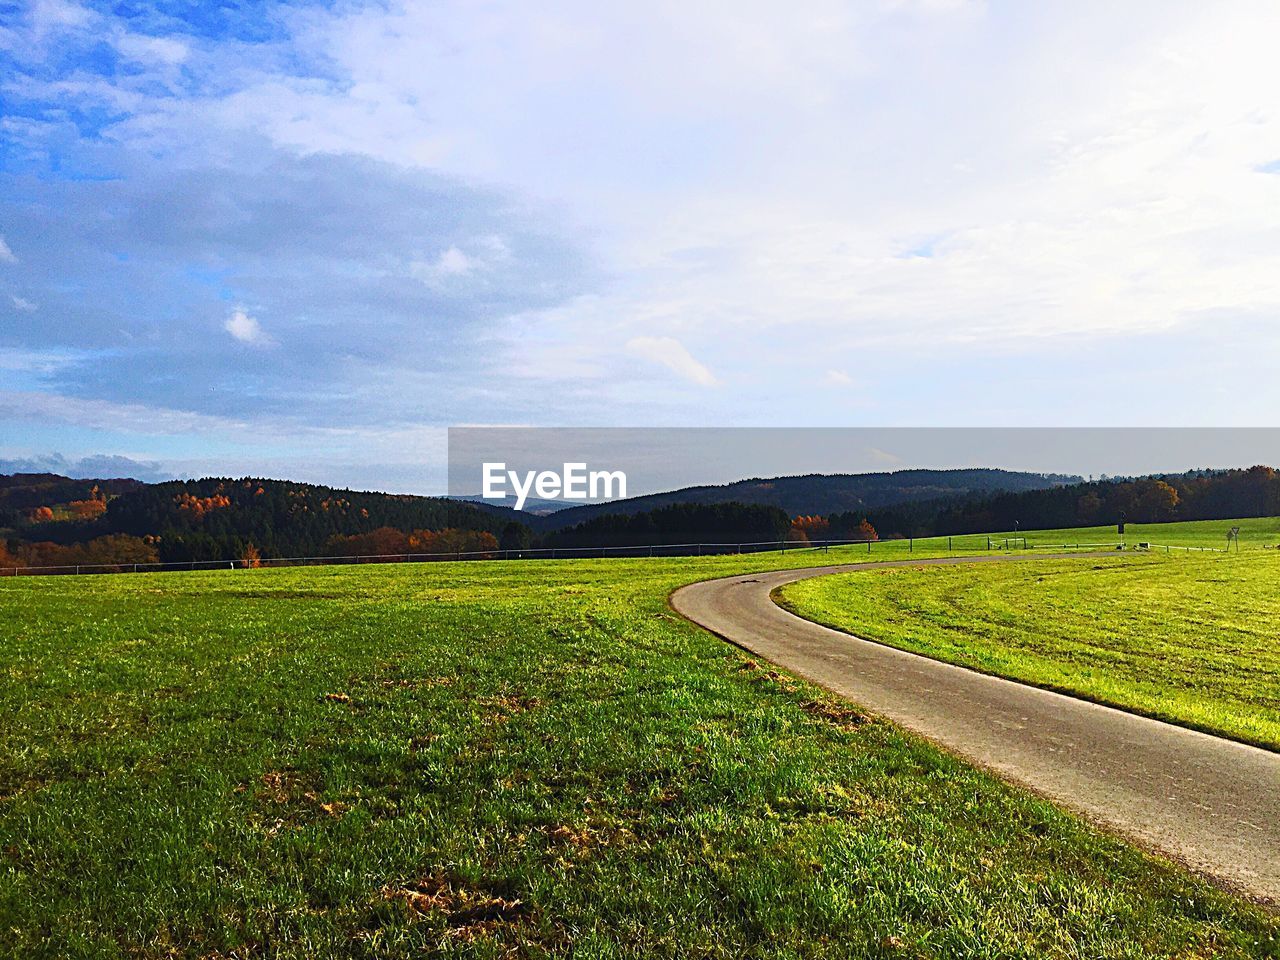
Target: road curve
(1209, 803)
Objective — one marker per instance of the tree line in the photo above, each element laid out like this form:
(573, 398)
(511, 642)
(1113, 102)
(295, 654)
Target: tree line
(226, 519)
(1195, 495)
(252, 520)
(677, 523)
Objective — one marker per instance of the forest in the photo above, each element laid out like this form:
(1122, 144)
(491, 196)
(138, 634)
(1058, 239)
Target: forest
(678, 523)
(1195, 495)
(47, 520)
(116, 522)
(825, 494)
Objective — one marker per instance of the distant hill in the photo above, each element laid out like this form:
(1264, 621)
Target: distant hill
(824, 494)
(533, 505)
(217, 518)
(51, 520)
(1203, 494)
(22, 492)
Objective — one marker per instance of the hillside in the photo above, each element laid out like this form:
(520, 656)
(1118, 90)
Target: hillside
(52, 520)
(47, 520)
(824, 494)
(1195, 495)
(21, 493)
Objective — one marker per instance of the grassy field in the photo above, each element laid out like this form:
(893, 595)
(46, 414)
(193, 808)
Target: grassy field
(1190, 639)
(507, 759)
(1256, 533)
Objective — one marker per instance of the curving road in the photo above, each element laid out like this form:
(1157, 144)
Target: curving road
(1210, 803)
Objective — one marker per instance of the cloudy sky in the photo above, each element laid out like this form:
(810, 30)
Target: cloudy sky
(301, 239)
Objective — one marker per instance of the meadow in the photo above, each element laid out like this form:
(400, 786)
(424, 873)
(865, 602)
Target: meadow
(1191, 639)
(510, 759)
(1255, 533)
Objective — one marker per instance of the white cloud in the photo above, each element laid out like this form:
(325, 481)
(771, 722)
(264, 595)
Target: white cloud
(6, 255)
(44, 362)
(671, 353)
(144, 49)
(20, 303)
(751, 183)
(246, 329)
(40, 407)
(58, 14)
(451, 263)
(838, 378)
(1095, 198)
(90, 466)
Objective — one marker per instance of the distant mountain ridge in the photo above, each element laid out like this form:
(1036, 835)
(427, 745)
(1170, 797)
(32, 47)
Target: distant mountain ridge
(817, 493)
(219, 517)
(532, 505)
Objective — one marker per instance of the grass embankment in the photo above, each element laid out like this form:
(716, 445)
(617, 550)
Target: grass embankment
(1189, 639)
(508, 758)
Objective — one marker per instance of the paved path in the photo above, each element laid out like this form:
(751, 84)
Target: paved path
(1210, 803)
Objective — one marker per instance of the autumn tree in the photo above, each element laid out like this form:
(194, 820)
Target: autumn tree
(87, 509)
(452, 540)
(382, 542)
(1157, 501)
(809, 528)
(797, 535)
(197, 507)
(114, 551)
(250, 558)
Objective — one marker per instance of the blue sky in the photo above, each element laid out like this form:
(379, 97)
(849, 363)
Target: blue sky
(301, 240)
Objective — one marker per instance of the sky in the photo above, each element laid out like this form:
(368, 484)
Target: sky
(302, 240)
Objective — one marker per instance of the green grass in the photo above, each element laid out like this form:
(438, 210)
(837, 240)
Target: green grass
(1188, 639)
(382, 760)
(1255, 533)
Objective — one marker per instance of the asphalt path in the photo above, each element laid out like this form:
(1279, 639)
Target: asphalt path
(1211, 804)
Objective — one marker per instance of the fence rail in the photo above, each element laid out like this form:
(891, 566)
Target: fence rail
(962, 542)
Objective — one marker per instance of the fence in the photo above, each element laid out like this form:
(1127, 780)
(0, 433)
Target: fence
(961, 542)
(532, 553)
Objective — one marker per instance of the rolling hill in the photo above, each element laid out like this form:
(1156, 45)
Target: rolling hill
(212, 519)
(823, 493)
